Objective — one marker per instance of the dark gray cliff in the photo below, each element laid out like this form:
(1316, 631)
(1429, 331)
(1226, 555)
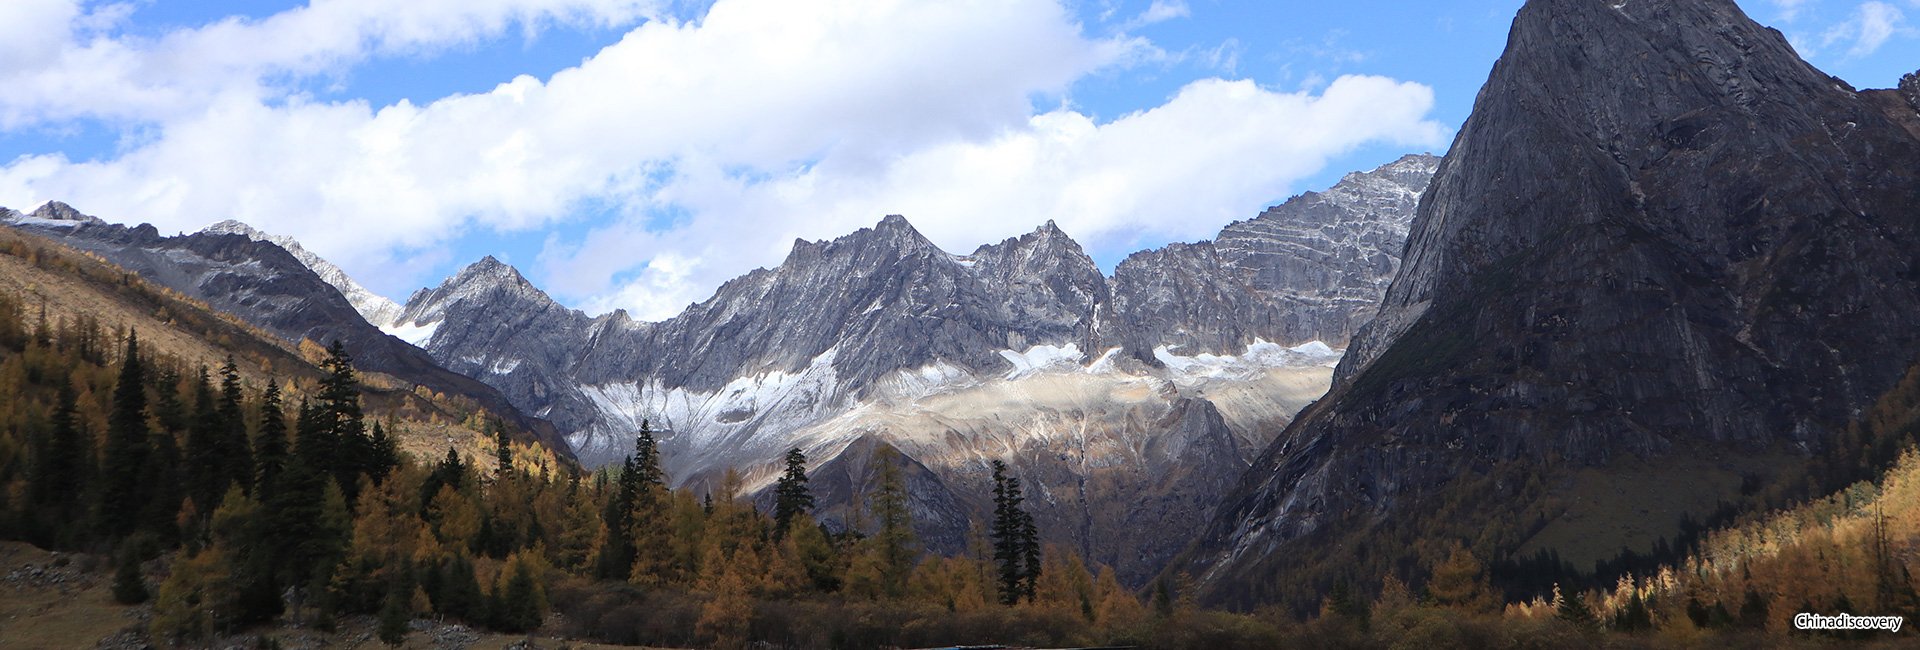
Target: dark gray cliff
(266, 286)
(1310, 269)
(1660, 229)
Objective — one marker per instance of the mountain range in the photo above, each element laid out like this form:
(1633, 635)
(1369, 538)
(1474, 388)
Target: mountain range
(1129, 402)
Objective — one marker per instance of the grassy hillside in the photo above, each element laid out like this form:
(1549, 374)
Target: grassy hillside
(63, 286)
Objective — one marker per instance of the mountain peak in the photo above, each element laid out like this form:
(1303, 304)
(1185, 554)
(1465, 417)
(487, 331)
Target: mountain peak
(491, 271)
(57, 211)
(233, 227)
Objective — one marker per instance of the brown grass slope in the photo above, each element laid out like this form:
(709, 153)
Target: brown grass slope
(68, 285)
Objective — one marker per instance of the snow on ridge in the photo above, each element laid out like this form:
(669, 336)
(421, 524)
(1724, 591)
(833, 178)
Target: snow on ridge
(747, 414)
(414, 333)
(1041, 357)
(1260, 356)
(380, 311)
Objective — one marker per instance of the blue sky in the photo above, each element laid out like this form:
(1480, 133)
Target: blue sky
(637, 153)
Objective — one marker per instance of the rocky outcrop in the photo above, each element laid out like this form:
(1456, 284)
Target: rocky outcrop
(1660, 229)
(376, 309)
(1310, 269)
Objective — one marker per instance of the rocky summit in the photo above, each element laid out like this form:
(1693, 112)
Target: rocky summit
(1661, 237)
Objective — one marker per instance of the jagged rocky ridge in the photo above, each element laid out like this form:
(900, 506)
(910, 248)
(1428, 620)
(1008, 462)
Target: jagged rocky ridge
(1659, 232)
(266, 285)
(1126, 399)
(376, 309)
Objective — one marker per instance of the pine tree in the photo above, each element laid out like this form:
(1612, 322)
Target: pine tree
(234, 448)
(129, 588)
(1016, 545)
(386, 454)
(393, 620)
(270, 444)
(791, 496)
(1570, 607)
(615, 561)
(58, 470)
(316, 447)
(502, 452)
(206, 465)
(122, 498)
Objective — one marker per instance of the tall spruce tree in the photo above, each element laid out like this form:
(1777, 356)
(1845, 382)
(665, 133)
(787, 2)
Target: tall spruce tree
(234, 448)
(59, 466)
(502, 451)
(615, 561)
(121, 496)
(270, 443)
(338, 404)
(1016, 547)
(791, 496)
(206, 465)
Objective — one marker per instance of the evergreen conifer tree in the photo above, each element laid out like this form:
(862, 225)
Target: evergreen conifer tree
(270, 444)
(235, 451)
(791, 496)
(129, 587)
(122, 498)
(58, 469)
(1016, 547)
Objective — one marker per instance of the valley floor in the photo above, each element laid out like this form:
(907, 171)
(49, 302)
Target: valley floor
(54, 600)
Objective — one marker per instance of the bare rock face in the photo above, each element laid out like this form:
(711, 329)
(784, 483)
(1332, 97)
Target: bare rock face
(1311, 269)
(376, 309)
(1660, 228)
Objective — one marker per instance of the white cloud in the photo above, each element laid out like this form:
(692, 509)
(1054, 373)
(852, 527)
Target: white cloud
(1180, 171)
(57, 63)
(1158, 12)
(1789, 9)
(763, 121)
(1870, 27)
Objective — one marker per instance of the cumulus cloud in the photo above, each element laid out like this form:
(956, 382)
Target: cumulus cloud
(1871, 26)
(1158, 12)
(1789, 9)
(1178, 171)
(58, 64)
(713, 142)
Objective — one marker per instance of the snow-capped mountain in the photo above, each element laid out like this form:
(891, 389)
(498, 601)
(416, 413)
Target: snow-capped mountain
(1130, 401)
(377, 309)
(1129, 404)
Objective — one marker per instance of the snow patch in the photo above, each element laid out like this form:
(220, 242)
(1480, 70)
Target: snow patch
(1041, 357)
(413, 333)
(1260, 356)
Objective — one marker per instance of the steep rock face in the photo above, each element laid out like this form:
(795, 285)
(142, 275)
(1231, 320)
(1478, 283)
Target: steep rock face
(376, 309)
(1310, 269)
(1659, 228)
(264, 284)
(488, 322)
